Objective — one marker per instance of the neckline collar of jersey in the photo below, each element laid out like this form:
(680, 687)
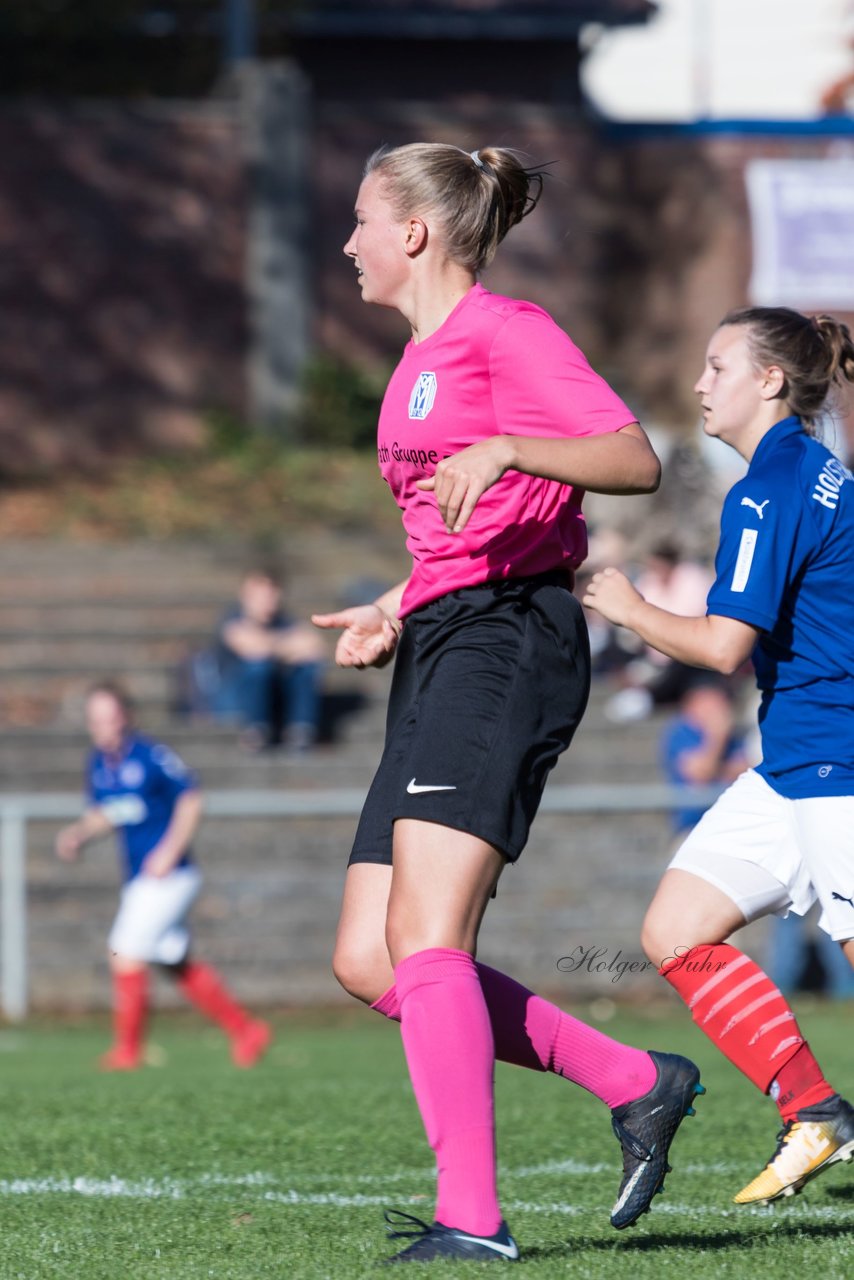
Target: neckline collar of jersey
(476, 290)
(790, 426)
(128, 744)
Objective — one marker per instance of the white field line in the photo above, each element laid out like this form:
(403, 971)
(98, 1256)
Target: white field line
(267, 1183)
(150, 1189)
(267, 1188)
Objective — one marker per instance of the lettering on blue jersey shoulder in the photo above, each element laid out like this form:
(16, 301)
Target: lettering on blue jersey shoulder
(828, 483)
(169, 762)
(746, 548)
(423, 396)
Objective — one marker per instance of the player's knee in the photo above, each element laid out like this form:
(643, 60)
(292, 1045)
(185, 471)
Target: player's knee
(360, 973)
(656, 937)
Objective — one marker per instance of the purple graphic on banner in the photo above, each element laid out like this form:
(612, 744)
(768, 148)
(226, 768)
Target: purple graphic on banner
(802, 214)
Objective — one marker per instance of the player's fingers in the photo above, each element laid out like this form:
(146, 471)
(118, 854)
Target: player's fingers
(330, 620)
(427, 484)
(454, 502)
(472, 496)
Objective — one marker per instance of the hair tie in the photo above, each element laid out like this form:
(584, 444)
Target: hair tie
(475, 155)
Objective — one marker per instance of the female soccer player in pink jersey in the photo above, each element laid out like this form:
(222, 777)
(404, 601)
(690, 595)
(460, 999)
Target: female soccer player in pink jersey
(492, 427)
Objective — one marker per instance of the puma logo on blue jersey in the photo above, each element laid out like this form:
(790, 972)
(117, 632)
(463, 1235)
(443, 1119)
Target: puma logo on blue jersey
(758, 507)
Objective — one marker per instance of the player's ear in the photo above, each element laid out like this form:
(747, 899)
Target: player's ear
(773, 383)
(415, 236)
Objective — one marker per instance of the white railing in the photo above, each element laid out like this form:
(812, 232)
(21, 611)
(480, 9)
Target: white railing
(17, 811)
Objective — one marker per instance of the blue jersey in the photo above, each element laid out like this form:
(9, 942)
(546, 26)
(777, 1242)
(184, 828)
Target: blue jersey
(786, 565)
(138, 791)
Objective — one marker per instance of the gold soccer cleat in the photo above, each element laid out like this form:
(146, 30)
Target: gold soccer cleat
(820, 1136)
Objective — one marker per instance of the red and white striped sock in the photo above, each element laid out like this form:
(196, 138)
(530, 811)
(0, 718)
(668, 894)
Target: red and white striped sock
(742, 1012)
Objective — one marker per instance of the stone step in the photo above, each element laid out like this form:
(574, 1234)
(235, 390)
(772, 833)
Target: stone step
(51, 653)
(42, 763)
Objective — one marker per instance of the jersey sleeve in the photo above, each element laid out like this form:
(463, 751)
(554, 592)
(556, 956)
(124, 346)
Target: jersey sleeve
(543, 385)
(760, 554)
(170, 771)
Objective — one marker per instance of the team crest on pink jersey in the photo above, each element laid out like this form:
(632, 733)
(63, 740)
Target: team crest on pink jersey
(423, 395)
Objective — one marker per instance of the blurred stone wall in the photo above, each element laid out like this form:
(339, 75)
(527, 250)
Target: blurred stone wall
(124, 288)
(122, 240)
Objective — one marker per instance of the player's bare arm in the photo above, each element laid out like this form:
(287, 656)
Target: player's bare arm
(299, 643)
(92, 825)
(177, 837)
(369, 631)
(249, 640)
(719, 643)
(620, 462)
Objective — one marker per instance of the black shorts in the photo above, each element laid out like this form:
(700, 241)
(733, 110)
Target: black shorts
(490, 684)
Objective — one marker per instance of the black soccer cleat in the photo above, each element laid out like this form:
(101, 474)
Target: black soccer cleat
(646, 1128)
(433, 1242)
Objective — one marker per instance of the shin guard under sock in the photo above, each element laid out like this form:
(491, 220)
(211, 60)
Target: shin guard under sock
(534, 1033)
(742, 1012)
(448, 1043)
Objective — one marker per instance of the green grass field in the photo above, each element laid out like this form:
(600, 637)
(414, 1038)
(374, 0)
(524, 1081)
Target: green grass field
(191, 1170)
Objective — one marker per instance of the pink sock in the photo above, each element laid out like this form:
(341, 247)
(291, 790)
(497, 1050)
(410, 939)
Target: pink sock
(448, 1043)
(530, 1032)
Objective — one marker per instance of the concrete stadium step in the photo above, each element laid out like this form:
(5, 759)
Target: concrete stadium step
(42, 765)
(49, 652)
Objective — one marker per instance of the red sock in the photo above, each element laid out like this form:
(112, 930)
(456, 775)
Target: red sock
(204, 988)
(130, 1008)
(743, 1013)
(450, 1053)
(800, 1083)
(533, 1033)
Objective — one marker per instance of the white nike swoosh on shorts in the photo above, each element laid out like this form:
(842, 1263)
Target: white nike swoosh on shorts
(414, 789)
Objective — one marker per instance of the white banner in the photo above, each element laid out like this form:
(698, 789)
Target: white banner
(802, 216)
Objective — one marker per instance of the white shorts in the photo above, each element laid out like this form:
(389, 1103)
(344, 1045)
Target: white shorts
(772, 855)
(151, 920)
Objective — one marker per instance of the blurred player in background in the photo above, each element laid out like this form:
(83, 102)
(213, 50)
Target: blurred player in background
(143, 790)
(491, 428)
(782, 836)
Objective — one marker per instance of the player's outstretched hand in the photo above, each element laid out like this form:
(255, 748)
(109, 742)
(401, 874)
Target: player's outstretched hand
(610, 593)
(460, 480)
(368, 637)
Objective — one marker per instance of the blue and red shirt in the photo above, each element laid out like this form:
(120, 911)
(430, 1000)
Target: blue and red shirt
(786, 565)
(138, 791)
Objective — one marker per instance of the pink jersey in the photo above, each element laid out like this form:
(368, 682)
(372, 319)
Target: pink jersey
(497, 366)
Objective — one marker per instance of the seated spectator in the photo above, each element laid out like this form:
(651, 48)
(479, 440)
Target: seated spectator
(794, 943)
(700, 745)
(264, 671)
(651, 679)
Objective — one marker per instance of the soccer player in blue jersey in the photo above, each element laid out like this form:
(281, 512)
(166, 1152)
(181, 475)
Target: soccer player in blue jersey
(145, 791)
(782, 836)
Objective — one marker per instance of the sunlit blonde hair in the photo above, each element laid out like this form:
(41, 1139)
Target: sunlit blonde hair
(475, 197)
